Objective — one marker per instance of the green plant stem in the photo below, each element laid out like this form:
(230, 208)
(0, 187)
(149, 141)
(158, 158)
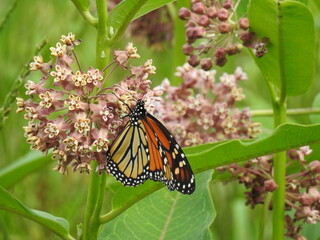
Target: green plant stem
(94, 203)
(294, 111)
(7, 15)
(92, 197)
(97, 182)
(122, 28)
(84, 11)
(102, 48)
(279, 177)
(263, 216)
(95, 221)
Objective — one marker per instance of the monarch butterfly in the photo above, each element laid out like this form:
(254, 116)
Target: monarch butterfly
(146, 150)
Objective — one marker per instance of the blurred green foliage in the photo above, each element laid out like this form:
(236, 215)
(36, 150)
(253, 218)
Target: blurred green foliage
(28, 24)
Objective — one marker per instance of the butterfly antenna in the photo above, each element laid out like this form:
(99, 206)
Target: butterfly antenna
(126, 90)
(122, 101)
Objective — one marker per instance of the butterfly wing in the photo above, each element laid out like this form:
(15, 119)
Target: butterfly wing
(168, 163)
(128, 158)
(146, 149)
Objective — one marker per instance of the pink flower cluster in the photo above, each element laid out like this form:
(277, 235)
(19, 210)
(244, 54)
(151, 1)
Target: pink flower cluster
(302, 189)
(213, 29)
(70, 112)
(203, 109)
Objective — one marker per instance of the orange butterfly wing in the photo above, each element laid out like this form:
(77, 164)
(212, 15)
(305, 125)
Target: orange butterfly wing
(146, 149)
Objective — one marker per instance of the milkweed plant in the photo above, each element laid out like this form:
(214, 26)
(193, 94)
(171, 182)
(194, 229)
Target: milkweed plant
(74, 114)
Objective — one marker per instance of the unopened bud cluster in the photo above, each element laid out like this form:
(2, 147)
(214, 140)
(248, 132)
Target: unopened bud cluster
(213, 32)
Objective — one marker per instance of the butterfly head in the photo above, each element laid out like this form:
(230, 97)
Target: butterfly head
(138, 111)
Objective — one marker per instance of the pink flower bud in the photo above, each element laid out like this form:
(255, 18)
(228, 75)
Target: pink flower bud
(199, 8)
(306, 200)
(314, 166)
(204, 21)
(224, 27)
(270, 185)
(199, 32)
(193, 60)
(190, 24)
(246, 36)
(190, 32)
(232, 49)
(223, 14)
(227, 4)
(212, 12)
(244, 23)
(184, 13)
(206, 64)
(220, 53)
(221, 62)
(187, 49)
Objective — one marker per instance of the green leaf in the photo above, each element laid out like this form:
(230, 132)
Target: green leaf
(289, 63)
(24, 166)
(122, 14)
(130, 195)
(286, 136)
(151, 5)
(212, 155)
(166, 215)
(315, 118)
(242, 8)
(129, 10)
(56, 224)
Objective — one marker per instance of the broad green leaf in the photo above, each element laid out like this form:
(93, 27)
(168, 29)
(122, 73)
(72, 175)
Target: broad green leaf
(289, 63)
(24, 166)
(56, 224)
(212, 155)
(242, 8)
(129, 195)
(128, 10)
(151, 5)
(286, 136)
(166, 215)
(122, 14)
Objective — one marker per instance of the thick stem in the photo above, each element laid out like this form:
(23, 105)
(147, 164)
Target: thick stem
(102, 48)
(263, 216)
(294, 111)
(95, 221)
(84, 11)
(92, 197)
(279, 177)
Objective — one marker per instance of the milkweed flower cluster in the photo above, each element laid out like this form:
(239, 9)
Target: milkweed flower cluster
(302, 189)
(213, 29)
(203, 109)
(69, 110)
